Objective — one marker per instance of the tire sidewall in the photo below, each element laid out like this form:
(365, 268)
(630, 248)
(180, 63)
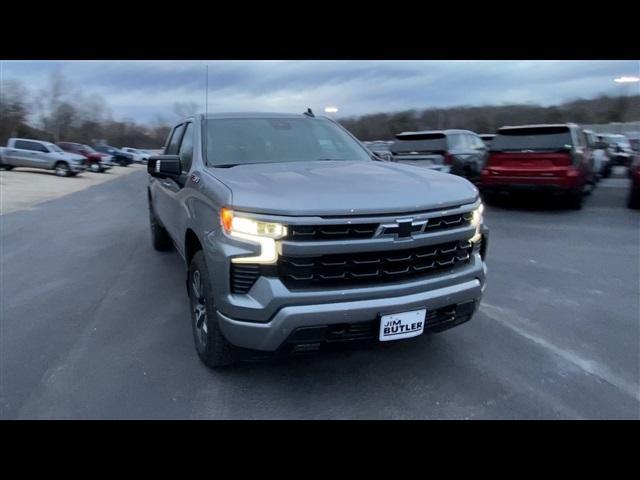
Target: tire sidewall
(198, 264)
(217, 352)
(64, 168)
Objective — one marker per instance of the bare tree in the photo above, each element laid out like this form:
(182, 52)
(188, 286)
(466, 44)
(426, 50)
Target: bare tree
(13, 108)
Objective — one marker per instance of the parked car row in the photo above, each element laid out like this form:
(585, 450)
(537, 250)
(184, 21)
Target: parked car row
(139, 155)
(562, 159)
(67, 158)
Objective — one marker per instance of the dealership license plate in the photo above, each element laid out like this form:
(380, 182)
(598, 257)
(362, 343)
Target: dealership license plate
(397, 326)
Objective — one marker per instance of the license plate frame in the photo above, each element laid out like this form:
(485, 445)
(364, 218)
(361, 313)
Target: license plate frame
(401, 325)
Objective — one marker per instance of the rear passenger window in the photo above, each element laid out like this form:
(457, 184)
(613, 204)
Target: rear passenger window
(174, 142)
(26, 145)
(457, 142)
(186, 148)
(479, 143)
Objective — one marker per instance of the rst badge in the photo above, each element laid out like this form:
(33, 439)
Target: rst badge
(402, 325)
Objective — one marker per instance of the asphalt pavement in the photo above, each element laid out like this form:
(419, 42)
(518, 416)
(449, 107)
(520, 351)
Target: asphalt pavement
(94, 324)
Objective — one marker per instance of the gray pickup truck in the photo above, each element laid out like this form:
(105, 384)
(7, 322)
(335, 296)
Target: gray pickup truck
(24, 152)
(295, 236)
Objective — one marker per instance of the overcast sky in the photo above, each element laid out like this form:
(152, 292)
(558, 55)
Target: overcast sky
(139, 90)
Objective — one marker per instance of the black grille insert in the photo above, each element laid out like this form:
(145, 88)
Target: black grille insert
(449, 221)
(331, 232)
(435, 320)
(356, 231)
(243, 277)
(371, 267)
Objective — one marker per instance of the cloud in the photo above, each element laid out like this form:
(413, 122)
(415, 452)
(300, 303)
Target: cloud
(143, 89)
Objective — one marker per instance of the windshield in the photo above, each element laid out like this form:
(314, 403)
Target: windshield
(434, 142)
(533, 138)
(54, 148)
(88, 148)
(236, 141)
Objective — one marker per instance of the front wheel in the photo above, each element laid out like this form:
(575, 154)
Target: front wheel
(95, 167)
(62, 169)
(213, 349)
(6, 167)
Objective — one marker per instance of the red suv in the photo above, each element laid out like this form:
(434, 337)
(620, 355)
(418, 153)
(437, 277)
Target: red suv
(546, 158)
(96, 161)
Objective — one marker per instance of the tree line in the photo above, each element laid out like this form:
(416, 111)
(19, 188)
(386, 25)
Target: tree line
(487, 119)
(60, 111)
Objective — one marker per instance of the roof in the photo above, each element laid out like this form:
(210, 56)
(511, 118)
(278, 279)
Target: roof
(431, 132)
(545, 125)
(256, 115)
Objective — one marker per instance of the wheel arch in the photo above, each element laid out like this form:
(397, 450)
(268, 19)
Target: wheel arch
(192, 245)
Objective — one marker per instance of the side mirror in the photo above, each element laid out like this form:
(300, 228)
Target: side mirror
(164, 166)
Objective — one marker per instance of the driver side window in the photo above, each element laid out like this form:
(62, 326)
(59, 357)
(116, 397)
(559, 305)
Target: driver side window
(186, 149)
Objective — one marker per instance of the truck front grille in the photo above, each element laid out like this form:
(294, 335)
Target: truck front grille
(363, 231)
(371, 267)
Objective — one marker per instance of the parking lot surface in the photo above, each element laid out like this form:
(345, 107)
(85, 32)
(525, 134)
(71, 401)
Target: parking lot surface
(22, 188)
(94, 324)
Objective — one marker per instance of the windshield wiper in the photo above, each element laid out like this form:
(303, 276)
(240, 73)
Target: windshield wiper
(330, 160)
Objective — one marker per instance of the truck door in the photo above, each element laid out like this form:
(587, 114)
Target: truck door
(26, 153)
(164, 190)
(174, 189)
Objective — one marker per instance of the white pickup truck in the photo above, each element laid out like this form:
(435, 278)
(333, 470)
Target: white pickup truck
(24, 152)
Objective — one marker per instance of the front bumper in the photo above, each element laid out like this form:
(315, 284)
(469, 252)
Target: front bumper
(267, 314)
(272, 335)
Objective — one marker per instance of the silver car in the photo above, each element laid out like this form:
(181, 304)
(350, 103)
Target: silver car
(24, 152)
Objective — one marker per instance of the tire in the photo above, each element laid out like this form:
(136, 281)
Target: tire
(6, 167)
(160, 239)
(62, 169)
(606, 172)
(490, 198)
(213, 349)
(634, 199)
(575, 199)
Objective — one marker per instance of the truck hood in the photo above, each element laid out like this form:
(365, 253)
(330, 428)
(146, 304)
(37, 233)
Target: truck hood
(341, 188)
(72, 157)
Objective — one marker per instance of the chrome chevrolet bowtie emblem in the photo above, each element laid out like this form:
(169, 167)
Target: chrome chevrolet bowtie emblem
(402, 228)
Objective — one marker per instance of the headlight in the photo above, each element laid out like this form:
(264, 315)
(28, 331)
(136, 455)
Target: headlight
(263, 233)
(476, 221)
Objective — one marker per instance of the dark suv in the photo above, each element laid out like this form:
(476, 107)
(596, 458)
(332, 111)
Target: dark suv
(550, 158)
(460, 152)
(118, 156)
